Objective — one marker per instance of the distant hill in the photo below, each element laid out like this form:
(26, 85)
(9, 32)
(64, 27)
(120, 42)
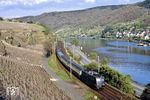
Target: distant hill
(145, 4)
(91, 20)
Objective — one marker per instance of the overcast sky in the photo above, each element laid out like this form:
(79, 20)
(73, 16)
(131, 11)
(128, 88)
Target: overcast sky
(18, 8)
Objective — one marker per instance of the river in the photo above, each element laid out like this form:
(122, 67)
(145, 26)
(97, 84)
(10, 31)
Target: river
(125, 57)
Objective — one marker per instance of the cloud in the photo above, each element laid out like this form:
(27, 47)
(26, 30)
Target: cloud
(90, 1)
(126, 1)
(26, 2)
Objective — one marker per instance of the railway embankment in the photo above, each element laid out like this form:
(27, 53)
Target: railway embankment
(70, 89)
(85, 60)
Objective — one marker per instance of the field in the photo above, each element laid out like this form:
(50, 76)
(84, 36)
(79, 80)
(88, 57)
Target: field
(32, 80)
(19, 64)
(21, 34)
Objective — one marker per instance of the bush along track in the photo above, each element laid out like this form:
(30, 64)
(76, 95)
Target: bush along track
(114, 78)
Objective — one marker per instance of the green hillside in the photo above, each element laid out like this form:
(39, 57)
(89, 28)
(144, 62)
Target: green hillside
(92, 20)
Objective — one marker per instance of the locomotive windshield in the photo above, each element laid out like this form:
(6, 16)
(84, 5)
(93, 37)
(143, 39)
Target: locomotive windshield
(100, 81)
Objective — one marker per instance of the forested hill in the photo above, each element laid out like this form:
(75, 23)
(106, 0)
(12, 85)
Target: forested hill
(92, 20)
(145, 4)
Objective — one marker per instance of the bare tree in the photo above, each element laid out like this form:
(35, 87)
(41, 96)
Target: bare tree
(48, 47)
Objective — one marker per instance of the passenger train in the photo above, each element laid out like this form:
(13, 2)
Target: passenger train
(91, 78)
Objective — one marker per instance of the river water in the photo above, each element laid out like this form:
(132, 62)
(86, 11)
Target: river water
(125, 57)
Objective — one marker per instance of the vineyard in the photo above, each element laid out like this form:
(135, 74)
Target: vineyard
(19, 64)
(32, 80)
(22, 54)
(21, 34)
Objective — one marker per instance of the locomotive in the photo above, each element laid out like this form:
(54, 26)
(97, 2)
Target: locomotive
(91, 78)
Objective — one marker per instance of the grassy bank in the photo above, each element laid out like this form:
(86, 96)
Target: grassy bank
(90, 96)
(53, 65)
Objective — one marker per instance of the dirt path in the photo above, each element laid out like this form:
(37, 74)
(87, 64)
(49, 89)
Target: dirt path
(27, 75)
(69, 89)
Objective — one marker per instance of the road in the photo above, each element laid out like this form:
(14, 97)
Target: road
(76, 50)
(69, 89)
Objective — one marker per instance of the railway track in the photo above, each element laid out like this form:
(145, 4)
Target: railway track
(108, 92)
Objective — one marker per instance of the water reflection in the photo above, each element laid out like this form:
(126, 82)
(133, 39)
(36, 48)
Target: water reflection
(125, 57)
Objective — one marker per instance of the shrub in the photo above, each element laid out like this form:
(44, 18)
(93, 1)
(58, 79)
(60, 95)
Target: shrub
(91, 66)
(92, 55)
(104, 61)
(117, 79)
(47, 30)
(113, 77)
(76, 58)
(1, 19)
(74, 42)
(48, 47)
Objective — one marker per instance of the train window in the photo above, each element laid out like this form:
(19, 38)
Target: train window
(98, 81)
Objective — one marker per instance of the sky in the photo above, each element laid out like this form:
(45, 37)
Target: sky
(19, 8)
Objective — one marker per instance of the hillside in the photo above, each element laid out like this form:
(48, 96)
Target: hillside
(145, 4)
(33, 81)
(21, 34)
(91, 20)
(20, 63)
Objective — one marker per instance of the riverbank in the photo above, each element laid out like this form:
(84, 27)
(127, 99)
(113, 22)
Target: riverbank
(144, 42)
(138, 88)
(125, 57)
(85, 60)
